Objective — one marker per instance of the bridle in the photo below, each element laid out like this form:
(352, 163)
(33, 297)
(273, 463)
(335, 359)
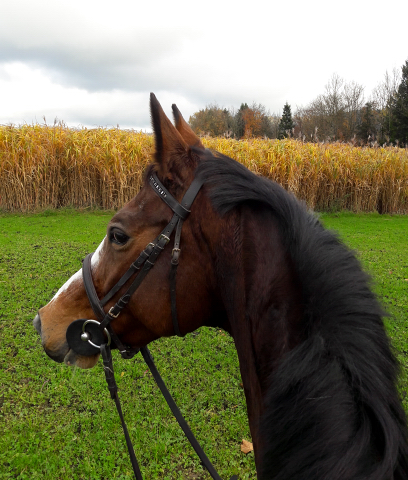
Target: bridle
(141, 266)
(89, 337)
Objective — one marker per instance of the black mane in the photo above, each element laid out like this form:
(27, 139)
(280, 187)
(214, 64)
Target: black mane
(333, 411)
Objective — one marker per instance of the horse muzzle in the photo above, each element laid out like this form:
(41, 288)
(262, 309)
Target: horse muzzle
(58, 352)
(37, 324)
(63, 352)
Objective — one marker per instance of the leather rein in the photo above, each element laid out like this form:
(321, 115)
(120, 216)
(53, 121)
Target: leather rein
(89, 337)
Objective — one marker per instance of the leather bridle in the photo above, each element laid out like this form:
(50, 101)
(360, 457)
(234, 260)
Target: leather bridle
(89, 337)
(141, 266)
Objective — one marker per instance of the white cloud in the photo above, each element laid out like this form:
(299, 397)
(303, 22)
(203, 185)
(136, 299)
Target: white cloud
(94, 63)
(41, 97)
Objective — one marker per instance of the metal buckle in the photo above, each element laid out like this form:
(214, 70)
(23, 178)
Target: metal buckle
(86, 337)
(165, 237)
(113, 315)
(175, 254)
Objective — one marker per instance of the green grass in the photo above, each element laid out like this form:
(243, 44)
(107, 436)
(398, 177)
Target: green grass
(381, 242)
(60, 423)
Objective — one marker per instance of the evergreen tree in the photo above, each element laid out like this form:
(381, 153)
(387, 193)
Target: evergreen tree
(239, 130)
(399, 110)
(286, 123)
(366, 129)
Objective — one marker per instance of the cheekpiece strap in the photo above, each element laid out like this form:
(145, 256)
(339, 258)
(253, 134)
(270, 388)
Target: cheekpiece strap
(90, 288)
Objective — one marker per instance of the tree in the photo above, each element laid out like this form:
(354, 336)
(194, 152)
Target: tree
(239, 121)
(333, 115)
(367, 127)
(286, 124)
(382, 99)
(335, 107)
(353, 94)
(273, 121)
(399, 109)
(257, 122)
(253, 121)
(213, 120)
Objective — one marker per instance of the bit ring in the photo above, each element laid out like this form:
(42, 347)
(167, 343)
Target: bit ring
(86, 337)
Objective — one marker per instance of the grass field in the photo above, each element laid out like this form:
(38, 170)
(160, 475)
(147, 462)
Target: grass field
(60, 423)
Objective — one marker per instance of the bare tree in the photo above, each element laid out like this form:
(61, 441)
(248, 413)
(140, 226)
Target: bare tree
(274, 120)
(386, 89)
(325, 117)
(381, 99)
(310, 121)
(353, 94)
(335, 107)
(333, 115)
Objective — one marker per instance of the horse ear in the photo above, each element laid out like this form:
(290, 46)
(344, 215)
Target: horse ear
(168, 140)
(185, 130)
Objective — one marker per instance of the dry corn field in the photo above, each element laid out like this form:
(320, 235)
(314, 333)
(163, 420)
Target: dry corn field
(54, 166)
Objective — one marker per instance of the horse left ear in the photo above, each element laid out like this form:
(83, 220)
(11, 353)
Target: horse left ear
(185, 130)
(169, 142)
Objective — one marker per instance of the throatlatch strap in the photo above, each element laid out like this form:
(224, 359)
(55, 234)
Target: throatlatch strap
(172, 278)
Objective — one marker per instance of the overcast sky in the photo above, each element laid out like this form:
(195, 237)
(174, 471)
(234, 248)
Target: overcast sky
(93, 63)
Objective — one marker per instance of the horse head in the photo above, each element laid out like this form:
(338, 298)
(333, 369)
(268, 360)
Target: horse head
(147, 316)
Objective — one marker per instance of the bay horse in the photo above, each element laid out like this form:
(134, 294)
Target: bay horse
(318, 371)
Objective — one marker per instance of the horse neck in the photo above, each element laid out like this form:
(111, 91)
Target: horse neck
(261, 298)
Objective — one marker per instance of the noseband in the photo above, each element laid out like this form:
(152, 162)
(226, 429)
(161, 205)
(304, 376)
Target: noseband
(89, 337)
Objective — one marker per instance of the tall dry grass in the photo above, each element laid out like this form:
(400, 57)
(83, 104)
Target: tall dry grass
(328, 176)
(53, 166)
(50, 167)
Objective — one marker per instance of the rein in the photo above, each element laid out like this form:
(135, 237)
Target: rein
(88, 337)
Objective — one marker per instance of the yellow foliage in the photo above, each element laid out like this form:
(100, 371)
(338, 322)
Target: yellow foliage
(54, 166)
(50, 167)
(328, 176)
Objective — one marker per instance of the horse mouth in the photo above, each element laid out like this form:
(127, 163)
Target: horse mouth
(69, 358)
(73, 359)
(65, 354)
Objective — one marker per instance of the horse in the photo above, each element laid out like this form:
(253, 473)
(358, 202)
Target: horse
(317, 367)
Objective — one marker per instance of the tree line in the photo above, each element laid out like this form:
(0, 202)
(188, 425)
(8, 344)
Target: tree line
(247, 121)
(341, 113)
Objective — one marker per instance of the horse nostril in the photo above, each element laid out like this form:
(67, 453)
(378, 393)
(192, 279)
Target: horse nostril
(37, 323)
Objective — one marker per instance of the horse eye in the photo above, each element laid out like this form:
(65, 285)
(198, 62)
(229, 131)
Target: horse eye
(118, 237)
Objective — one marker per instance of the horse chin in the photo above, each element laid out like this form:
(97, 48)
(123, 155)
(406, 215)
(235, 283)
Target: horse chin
(73, 359)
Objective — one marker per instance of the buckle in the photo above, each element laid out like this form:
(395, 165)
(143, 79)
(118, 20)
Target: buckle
(162, 236)
(113, 315)
(175, 254)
